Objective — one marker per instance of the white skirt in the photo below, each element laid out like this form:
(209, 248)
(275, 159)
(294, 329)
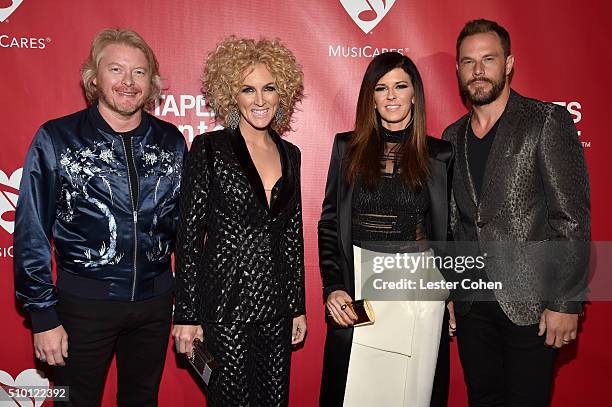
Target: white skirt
(393, 361)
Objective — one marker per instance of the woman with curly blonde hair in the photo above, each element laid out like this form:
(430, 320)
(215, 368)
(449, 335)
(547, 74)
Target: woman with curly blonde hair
(239, 256)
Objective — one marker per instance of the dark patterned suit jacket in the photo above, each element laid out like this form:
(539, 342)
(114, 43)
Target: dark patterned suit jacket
(535, 193)
(238, 259)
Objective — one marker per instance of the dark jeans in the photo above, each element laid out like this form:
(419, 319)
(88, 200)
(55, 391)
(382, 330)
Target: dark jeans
(137, 332)
(504, 364)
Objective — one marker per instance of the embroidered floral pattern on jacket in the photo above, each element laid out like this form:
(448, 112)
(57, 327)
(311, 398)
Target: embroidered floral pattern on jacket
(163, 165)
(83, 166)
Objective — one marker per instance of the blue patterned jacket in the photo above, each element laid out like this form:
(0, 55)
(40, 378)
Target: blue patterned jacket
(76, 198)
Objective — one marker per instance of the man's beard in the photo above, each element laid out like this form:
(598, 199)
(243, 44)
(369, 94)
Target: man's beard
(480, 96)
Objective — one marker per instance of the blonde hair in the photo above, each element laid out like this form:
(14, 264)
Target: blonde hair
(109, 36)
(227, 65)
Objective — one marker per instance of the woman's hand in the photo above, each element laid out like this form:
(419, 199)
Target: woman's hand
(337, 305)
(184, 335)
(298, 332)
(452, 322)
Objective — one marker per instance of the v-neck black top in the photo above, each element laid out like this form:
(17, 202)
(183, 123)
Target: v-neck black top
(478, 153)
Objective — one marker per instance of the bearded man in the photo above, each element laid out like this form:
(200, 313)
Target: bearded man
(521, 197)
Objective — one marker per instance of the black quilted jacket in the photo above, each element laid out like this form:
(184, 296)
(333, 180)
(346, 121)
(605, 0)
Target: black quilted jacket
(238, 259)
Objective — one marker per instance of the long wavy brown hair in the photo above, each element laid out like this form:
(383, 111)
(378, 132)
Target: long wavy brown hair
(366, 146)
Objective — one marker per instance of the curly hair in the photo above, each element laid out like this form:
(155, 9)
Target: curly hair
(109, 36)
(228, 64)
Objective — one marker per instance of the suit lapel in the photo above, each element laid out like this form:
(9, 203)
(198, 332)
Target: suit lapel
(436, 186)
(462, 160)
(345, 203)
(248, 167)
(287, 184)
(250, 171)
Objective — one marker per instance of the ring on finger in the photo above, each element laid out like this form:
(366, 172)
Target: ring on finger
(343, 307)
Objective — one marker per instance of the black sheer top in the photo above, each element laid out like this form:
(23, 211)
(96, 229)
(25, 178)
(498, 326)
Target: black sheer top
(392, 212)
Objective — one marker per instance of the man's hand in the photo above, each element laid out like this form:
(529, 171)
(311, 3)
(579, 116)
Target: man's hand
(452, 322)
(184, 336)
(299, 329)
(52, 346)
(560, 328)
(338, 306)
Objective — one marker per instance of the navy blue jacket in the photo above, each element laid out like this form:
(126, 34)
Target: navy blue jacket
(75, 197)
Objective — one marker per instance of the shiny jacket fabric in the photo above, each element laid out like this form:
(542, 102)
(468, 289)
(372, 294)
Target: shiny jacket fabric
(535, 189)
(75, 196)
(238, 259)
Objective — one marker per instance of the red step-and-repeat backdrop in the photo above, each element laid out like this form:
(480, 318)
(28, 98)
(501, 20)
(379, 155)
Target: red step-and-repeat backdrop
(562, 55)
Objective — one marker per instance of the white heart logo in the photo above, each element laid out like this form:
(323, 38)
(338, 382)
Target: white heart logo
(367, 13)
(25, 379)
(8, 198)
(6, 12)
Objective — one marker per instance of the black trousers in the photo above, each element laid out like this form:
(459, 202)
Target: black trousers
(137, 332)
(255, 363)
(439, 392)
(503, 364)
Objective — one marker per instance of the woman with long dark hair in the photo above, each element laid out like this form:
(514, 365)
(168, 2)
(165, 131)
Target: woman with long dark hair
(387, 191)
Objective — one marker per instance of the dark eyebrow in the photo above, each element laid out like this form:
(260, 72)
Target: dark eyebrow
(382, 84)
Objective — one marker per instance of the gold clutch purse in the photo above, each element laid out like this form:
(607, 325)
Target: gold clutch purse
(364, 311)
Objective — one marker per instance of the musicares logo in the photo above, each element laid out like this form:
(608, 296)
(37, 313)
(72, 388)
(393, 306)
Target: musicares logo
(367, 13)
(9, 193)
(5, 11)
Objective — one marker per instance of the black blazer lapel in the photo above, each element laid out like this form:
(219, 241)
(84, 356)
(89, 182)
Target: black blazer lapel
(345, 220)
(288, 184)
(463, 163)
(438, 215)
(248, 167)
(250, 171)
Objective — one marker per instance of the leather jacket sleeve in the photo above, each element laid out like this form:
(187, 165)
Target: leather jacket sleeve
(295, 251)
(566, 185)
(330, 254)
(191, 232)
(34, 219)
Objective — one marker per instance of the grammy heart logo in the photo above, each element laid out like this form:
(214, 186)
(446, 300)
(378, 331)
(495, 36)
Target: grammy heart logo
(27, 379)
(367, 13)
(9, 193)
(5, 11)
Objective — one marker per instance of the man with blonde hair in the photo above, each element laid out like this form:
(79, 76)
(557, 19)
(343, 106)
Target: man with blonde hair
(101, 186)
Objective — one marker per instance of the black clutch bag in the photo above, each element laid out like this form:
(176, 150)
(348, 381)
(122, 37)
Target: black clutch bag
(202, 360)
